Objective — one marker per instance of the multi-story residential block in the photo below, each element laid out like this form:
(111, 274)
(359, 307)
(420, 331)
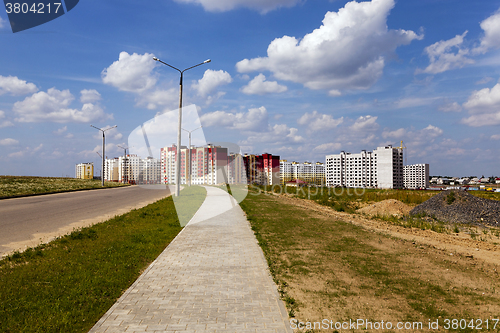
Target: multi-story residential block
(262, 169)
(84, 171)
(311, 173)
(416, 176)
(382, 168)
(209, 165)
(132, 169)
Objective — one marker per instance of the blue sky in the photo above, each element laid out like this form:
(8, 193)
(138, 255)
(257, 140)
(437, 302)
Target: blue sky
(296, 78)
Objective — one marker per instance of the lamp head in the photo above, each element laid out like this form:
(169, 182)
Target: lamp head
(207, 61)
(155, 59)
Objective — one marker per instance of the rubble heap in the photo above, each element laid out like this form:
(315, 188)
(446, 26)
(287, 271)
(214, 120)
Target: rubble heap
(457, 206)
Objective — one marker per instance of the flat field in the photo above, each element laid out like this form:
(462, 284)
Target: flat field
(331, 263)
(12, 186)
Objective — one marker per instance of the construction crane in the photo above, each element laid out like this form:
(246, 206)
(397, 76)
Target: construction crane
(403, 147)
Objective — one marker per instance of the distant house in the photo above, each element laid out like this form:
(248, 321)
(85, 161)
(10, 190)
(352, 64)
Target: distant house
(497, 180)
(443, 181)
(485, 180)
(463, 181)
(296, 183)
(434, 180)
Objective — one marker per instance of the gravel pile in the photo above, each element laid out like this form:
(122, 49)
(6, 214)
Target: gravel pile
(456, 206)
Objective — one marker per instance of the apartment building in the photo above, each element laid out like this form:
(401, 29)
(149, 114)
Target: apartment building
(84, 171)
(262, 169)
(209, 165)
(311, 173)
(133, 169)
(382, 168)
(416, 176)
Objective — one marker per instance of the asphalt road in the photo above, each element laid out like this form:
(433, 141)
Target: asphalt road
(27, 222)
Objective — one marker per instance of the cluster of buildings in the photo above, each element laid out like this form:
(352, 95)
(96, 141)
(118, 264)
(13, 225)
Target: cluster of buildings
(211, 165)
(464, 180)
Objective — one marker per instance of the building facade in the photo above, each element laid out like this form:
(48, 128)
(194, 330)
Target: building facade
(84, 171)
(382, 168)
(132, 169)
(262, 169)
(416, 176)
(310, 173)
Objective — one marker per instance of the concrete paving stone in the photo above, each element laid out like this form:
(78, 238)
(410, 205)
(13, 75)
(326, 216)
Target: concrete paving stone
(212, 278)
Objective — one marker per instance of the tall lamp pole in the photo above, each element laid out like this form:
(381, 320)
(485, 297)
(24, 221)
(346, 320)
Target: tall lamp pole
(178, 160)
(103, 148)
(189, 153)
(125, 170)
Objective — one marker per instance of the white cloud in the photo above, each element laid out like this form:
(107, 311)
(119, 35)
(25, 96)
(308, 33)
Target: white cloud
(450, 107)
(8, 142)
(347, 52)
(255, 119)
(491, 38)
(5, 123)
(446, 54)
(259, 86)
(413, 102)
(2, 23)
(131, 72)
(262, 6)
(495, 137)
(53, 105)
(485, 80)
(319, 122)
(14, 86)
(26, 151)
(277, 135)
(60, 130)
(397, 134)
(328, 147)
(484, 107)
(89, 96)
(210, 81)
(365, 123)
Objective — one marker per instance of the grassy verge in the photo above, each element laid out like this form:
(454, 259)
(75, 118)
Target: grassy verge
(68, 284)
(327, 268)
(188, 203)
(13, 186)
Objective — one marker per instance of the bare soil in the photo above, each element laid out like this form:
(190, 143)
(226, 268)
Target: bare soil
(431, 275)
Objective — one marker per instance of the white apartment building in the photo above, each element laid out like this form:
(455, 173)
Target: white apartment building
(382, 168)
(133, 169)
(209, 165)
(416, 176)
(311, 173)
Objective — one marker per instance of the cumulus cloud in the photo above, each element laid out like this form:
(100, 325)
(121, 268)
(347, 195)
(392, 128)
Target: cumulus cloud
(8, 142)
(53, 105)
(60, 130)
(255, 119)
(2, 23)
(26, 151)
(491, 38)
(365, 123)
(277, 134)
(397, 134)
(262, 6)
(347, 52)
(210, 81)
(450, 107)
(319, 122)
(131, 72)
(447, 54)
(483, 107)
(89, 96)
(328, 147)
(259, 86)
(495, 137)
(14, 86)
(4, 123)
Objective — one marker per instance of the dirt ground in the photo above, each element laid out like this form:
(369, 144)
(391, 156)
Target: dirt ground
(438, 275)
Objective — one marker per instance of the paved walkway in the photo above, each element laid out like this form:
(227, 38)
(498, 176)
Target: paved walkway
(212, 278)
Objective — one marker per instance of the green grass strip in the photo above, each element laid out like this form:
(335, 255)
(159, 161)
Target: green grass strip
(15, 186)
(68, 284)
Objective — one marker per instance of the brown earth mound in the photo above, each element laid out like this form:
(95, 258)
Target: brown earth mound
(456, 206)
(386, 207)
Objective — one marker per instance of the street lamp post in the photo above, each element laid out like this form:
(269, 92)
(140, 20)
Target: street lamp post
(189, 153)
(103, 148)
(125, 170)
(178, 160)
